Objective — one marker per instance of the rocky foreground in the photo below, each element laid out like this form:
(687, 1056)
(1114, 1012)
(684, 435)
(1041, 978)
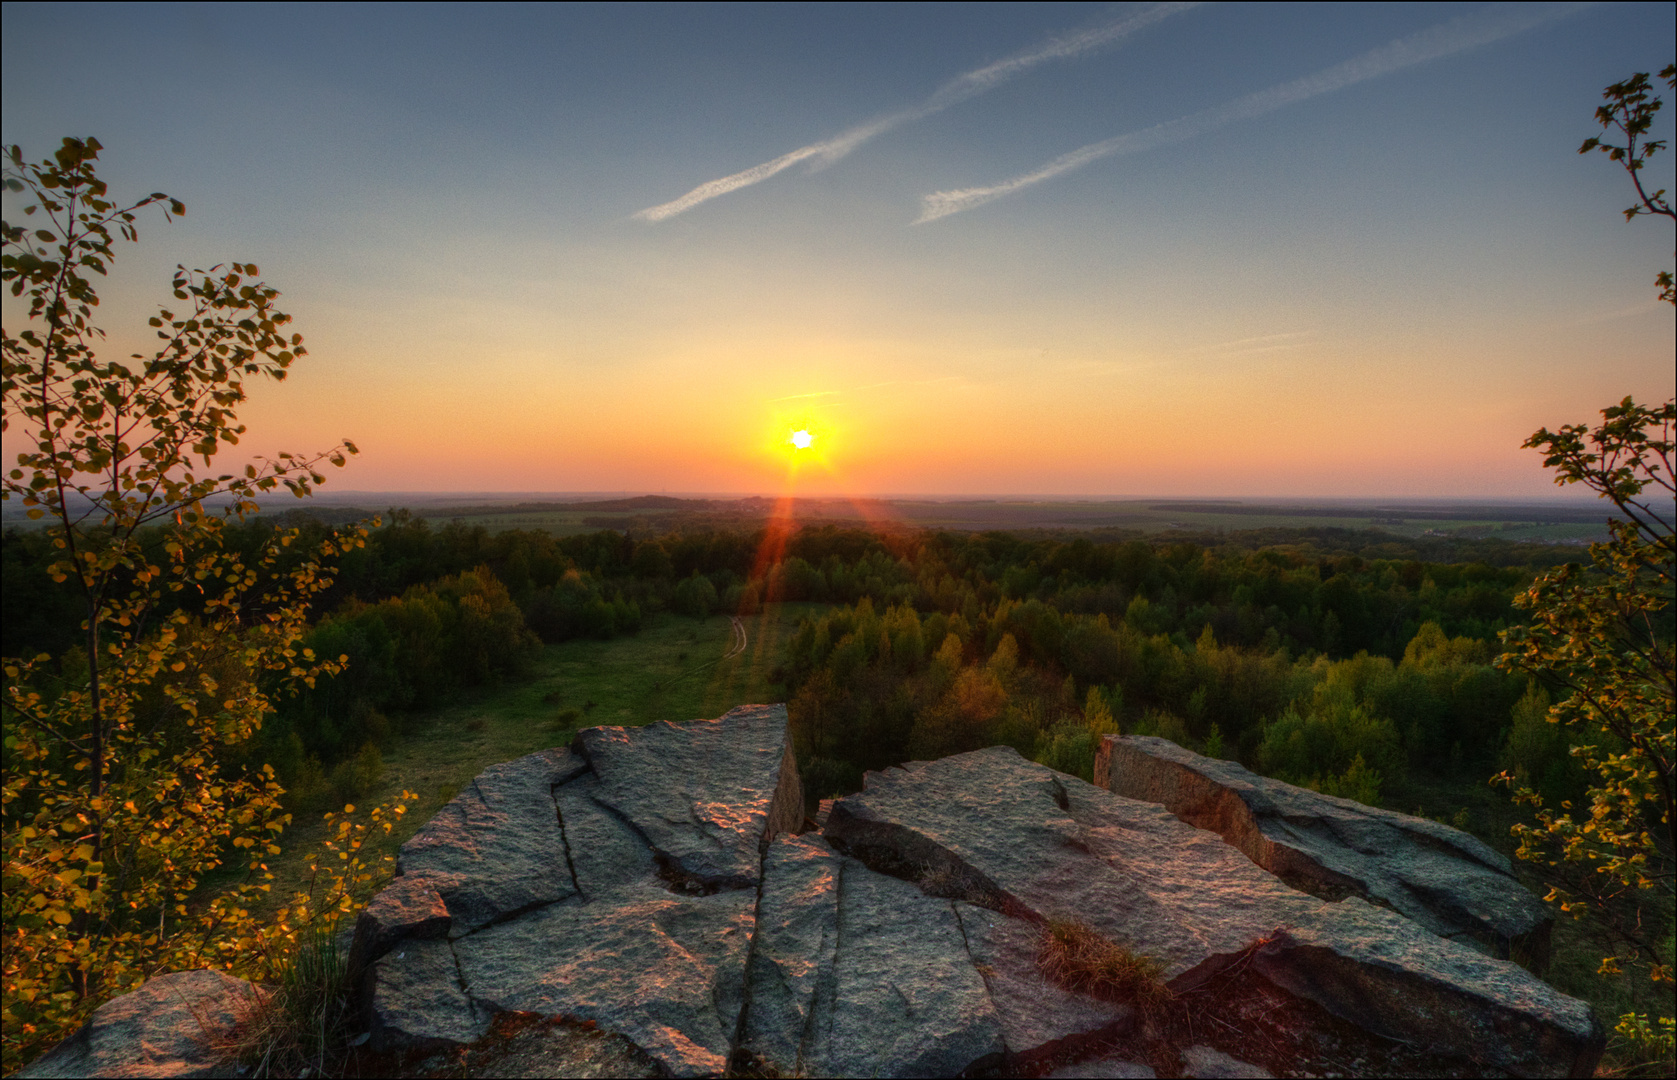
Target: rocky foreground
(648, 898)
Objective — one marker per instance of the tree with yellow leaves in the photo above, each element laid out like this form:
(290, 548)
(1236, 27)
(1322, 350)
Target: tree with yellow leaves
(122, 787)
(1602, 638)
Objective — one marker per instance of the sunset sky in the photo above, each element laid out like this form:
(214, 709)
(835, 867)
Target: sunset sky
(1247, 250)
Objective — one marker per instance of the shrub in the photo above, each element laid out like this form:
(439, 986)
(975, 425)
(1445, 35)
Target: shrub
(1326, 740)
(1358, 782)
(824, 778)
(1165, 725)
(695, 596)
(1069, 748)
(354, 777)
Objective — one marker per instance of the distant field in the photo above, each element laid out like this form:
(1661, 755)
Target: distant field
(557, 522)
(1560, 524)
(672, 670)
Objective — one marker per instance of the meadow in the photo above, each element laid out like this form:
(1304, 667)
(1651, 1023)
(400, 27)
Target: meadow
(676, 668)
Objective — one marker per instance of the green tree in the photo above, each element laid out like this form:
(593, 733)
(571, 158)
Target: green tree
(695, 596)
(1630, 110)
(1603, 640)
(120, 787)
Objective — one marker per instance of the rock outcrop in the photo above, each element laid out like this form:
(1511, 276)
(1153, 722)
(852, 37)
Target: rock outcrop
(858, 974)
(614, 881)
(1025, 841)
(644, 892)
(1442, 878)
(171, 1026)
(489, 853)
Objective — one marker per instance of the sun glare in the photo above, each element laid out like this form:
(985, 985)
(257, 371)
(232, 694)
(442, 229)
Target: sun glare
(800, 443)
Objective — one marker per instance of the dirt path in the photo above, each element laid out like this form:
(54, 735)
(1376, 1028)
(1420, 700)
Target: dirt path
(738, 644)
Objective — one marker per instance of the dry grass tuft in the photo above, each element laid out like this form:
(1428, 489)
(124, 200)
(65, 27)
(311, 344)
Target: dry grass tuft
(1085, 962)
(302, 1028)
(939, 881)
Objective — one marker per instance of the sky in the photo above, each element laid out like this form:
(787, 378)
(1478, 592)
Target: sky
(1154, 249)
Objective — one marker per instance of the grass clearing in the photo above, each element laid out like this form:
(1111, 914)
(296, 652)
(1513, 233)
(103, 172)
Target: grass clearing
(675, 669)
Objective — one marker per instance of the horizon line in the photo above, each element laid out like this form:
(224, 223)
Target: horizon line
(603, 494)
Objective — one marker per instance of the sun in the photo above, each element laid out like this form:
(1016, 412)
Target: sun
(798, 441)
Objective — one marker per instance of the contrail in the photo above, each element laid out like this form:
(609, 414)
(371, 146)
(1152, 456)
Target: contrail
(1457, 35)
(950, 93)
(1262, 339)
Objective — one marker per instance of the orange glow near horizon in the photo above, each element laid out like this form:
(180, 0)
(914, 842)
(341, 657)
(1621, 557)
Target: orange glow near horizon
(805, 441)
(1116, 417)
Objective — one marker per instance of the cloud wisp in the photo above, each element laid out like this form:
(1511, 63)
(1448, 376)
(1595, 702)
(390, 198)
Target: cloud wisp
(1458, 35)
(1261, 341)
(956, 90)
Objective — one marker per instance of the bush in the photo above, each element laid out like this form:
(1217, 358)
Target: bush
(825, 778)
(1303, 748)
(695, 596)
(1538, 751)
(1359, 782)
(577, 607)
(354, 777)
(1164, 725)
(1069, 749)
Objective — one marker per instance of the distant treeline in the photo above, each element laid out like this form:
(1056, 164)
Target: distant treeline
(1298, 650)
(1543, 514)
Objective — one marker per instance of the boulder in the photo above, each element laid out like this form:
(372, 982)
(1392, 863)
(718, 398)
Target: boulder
(1039, 1019)
(1004, 834)
(522, 1047)
(1426, 990)
(704, 794)
(416, 1000)
(409, 908)
(170, 1026)
(792, 954)
(1442, 878)
(491, 852)
(614, 882)
(606, 852)
(663, 969)
(854, 973)
(1019, 839)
